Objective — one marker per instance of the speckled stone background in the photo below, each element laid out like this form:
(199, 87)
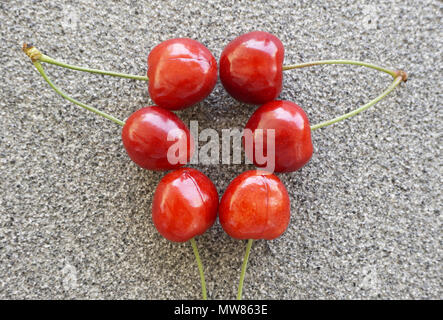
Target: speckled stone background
(75, 217)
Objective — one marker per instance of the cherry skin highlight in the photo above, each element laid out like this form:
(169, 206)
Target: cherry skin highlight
(181, 73)
(145, 137)
(185, 205)
(255, 205)
(293, 145)
(251, 67)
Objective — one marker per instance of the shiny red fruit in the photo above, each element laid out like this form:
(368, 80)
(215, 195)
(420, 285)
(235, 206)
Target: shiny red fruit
(255, 206)
(251, 67)
(181, 73)
(145, 137)
(293, 145)
(185, 205)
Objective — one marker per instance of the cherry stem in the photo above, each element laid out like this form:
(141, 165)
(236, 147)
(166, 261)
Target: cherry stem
(243, 269)
(398, 76)
(200, 268)
(394, 84)
(357, 63)
(40, 69)
(36, 55)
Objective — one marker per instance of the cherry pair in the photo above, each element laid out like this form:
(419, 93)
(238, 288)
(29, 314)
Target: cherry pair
(251, 70)
(181, 73)
(255, 205)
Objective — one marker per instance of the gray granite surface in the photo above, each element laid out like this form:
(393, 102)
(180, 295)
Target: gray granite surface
(75, 217)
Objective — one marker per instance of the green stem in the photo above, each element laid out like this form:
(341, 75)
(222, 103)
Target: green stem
(398, 76)
(200, 268)
(35, 55)
(394, 84)
(393, 73)
(243, 269)
(67, 97)
(45, 58)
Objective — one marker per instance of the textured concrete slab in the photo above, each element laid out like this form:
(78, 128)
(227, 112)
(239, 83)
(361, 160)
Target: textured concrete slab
(75, 212)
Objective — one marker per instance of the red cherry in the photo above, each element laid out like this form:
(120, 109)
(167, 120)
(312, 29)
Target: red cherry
(181, 73)
(255, 206)
(293, 145)
(185, 205)
(251, 67)
(145, 137)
